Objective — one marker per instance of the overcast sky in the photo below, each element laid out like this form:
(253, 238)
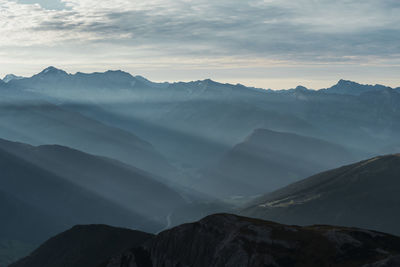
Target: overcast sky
(265, 43)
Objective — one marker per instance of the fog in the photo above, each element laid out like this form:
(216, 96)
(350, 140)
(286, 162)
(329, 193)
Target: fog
(151, 156)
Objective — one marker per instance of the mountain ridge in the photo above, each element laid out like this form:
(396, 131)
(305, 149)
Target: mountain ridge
(269, 159)
(344, 196)
(341, 87)
(61, 201)
(231, 241)
(109, 178)
(84, 246)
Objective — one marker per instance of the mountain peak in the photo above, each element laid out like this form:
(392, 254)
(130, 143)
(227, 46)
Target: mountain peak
(347, 87)
(10, 77)
(301, 88)
(121, 72)
(52, 70)
(342, 82)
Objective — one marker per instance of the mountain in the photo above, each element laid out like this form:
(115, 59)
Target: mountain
(122, 184)
(218, 240)
(352, 88)
(210, 117)
(83, 246)
(10, 77)
(33, 225)
(37, 203)
(58, 83)
(12, 250)
(39, 123)
(229, 240)
(177, 128)
(363, 194)
(268, 160)
(383, 102)
(192, 113)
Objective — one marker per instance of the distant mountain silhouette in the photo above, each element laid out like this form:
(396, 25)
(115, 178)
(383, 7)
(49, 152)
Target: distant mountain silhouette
(53, 79)
(172, 116)
(353, 88)
(364, 194)
(113, 180)
(383, 103)
(41, 203)
(84, 246)
(193, 124)
(10, 77)
(40, 123)
(268, 160)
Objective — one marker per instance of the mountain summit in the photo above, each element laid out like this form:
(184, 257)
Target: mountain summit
(346, 87)
(10, 77)
(51, 71)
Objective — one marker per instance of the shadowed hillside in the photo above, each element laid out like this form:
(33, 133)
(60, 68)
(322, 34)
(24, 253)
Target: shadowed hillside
(108, 178)
(365, 194)
(268, 160)
(84, 246)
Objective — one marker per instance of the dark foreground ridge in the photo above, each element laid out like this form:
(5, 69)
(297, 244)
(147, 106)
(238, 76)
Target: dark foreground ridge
(83, 246)
(220, 240)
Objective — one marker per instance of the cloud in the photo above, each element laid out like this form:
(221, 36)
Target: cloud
(47, 4)
(284, 31)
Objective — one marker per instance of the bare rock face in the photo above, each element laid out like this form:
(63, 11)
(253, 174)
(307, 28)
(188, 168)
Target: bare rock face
(232, 241)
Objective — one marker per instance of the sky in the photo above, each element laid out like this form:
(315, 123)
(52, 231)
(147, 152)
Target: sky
(264, 43)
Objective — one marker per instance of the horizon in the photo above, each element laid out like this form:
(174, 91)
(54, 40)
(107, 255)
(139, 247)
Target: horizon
(261, 43)
(3, 76)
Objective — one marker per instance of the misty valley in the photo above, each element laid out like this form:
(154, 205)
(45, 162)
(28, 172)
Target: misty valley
(108, 169)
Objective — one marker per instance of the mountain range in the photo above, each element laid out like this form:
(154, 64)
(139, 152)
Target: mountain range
(40, 123)
(111, 148)
(118, 182)
(37, 204)
(214, 115)
(205, 116)
(46, 189)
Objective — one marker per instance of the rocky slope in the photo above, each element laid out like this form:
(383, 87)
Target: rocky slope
(365, 194)
(232, 241)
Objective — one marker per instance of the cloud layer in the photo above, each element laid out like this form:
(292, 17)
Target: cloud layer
(267, 31)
